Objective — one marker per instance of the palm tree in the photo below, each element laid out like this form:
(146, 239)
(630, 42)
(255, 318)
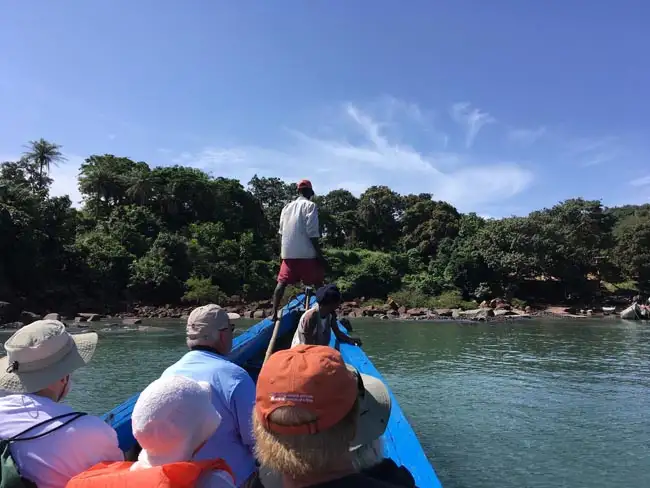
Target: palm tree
(140, 185)
(43, 154)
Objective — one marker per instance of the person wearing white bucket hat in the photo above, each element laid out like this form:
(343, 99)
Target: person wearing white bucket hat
(209, 337)
(172, 418)
(34, 378)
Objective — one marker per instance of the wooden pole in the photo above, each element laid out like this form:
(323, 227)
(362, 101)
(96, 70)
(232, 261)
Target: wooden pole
(276, 326)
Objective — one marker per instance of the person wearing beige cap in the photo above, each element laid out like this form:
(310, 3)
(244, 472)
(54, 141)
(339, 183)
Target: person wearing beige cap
(48, 441)
(209, 338)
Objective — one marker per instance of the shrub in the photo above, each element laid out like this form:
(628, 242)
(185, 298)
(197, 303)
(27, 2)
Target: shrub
(365, 273)
(448, 299)
(412, 299)
(201, 291)
(453, 299)
(518, 303)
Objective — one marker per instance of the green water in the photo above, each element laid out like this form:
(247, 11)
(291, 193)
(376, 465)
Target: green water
(534, 404)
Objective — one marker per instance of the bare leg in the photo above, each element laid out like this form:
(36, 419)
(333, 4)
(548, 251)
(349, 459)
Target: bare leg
(277, 298)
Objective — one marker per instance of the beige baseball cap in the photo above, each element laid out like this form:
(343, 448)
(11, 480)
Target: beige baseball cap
(204, 321)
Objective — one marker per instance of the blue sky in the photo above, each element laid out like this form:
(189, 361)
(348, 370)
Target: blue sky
(500, 107)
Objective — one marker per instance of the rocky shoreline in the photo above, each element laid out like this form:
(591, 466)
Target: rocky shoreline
(497, 310)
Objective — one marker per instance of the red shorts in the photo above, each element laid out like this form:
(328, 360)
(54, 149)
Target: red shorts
(293, 271)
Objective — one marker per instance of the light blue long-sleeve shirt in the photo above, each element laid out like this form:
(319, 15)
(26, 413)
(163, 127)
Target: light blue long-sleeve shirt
(233, 395)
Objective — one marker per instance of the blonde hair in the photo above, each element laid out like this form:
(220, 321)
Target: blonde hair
(368, 455)
(302, 455)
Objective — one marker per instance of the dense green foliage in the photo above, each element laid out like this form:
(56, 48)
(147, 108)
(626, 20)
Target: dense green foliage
(174, 234)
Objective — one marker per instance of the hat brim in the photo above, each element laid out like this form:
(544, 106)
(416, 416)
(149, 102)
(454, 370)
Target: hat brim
(33, 381)
(374, 412)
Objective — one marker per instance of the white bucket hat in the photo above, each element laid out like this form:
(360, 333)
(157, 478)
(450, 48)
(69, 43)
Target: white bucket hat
(41, 353)
(171, 418)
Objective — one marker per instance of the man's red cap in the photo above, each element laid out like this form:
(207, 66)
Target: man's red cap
(313, 378)
(304, 184)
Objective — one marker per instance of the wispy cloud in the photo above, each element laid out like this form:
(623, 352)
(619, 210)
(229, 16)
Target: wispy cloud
(472, 120)
(645, 181)
(595, 151)
(526, 136)
(390, 143)
(364, 154)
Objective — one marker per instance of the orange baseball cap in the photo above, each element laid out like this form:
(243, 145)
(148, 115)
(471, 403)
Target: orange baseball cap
(317, 379)
(304, 184)
(311, 377)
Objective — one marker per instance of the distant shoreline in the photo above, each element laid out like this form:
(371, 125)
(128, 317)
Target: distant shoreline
(496, 311)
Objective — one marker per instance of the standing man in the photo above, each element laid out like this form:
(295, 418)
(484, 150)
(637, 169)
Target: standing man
(302, 258)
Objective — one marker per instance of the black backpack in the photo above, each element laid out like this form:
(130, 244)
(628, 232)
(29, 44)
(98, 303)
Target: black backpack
(10, 476)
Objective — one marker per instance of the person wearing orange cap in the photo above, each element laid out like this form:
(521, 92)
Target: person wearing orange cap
(312, 412)
(301, 255)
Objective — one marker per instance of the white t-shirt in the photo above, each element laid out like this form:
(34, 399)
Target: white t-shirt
(299, 335)
(50, 461)
(299, 224)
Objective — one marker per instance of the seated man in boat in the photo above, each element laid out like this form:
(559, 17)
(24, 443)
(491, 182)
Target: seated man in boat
(317, 323)
(311, 409)
(48, 441)
(301, 255)
(209, 338)
(172, 420)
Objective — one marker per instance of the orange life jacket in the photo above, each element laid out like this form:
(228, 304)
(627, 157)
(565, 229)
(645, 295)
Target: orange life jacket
(173, 475)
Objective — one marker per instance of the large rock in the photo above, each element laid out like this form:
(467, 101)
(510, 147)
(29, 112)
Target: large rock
(500, 312)
(477, 314)
(416, 312)
(499, 303)
(444, 312)
(259, 314)
(354, 313)
(52, 316)
(372, 311)
(28, 317)
(132, 321)
(348, 307)
(79, 320)
(484, 314)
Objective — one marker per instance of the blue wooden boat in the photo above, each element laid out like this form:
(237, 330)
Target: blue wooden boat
(401, 443)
